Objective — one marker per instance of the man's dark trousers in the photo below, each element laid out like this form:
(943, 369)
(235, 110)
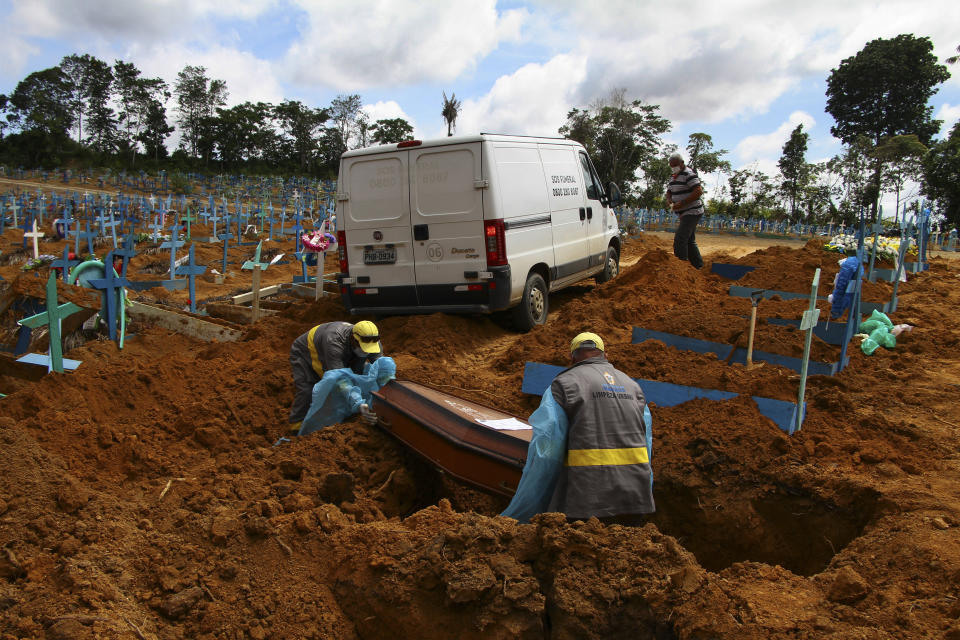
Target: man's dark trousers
(685, 241)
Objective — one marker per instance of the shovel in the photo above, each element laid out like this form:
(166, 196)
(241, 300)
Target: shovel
(755, 297)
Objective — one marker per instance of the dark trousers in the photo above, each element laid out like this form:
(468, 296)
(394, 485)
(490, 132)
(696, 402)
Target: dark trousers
(304, 377)
(685, 240)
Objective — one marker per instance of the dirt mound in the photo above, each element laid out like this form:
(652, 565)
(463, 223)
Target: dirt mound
(142, 494)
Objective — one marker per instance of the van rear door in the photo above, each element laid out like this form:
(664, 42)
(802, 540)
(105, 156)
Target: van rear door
(379, 242)
(446, 224)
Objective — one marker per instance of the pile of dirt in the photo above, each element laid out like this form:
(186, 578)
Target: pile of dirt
(143, 496)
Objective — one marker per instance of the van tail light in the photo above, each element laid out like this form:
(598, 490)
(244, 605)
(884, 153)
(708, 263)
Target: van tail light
(342, 251)
(496, 244)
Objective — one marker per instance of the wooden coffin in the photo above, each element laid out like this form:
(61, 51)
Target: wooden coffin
(445, 430)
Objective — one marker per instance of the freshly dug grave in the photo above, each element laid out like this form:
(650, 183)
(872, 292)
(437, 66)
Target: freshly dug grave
(142, 496)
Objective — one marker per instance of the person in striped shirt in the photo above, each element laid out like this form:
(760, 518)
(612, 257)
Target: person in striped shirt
(684, 199)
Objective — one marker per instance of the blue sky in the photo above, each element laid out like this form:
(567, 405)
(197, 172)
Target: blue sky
(746, 71)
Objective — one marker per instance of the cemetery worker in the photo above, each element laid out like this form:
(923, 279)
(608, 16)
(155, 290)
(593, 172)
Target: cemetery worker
(334, 345)
(607, 471)
(684, 199)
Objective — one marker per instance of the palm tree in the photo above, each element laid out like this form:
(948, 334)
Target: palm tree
(451, 107)
(954, 59)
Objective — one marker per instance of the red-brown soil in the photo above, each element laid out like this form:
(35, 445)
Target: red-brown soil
(141, 496)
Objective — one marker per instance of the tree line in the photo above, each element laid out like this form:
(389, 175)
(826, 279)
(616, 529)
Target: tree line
(88, 112)
(85, 111)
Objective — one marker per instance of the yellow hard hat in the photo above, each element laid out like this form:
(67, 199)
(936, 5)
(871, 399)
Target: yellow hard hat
(586, 339)
(367, 334)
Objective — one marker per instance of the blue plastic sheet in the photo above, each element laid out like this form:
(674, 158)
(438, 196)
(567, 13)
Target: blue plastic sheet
(340, 393)
(842, 294)
(545, 456)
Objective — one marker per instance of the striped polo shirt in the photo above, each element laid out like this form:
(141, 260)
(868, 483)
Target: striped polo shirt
(681, 185)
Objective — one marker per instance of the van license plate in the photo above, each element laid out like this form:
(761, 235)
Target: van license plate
(380, 256)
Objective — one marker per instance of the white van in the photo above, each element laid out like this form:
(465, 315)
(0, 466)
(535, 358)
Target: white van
(471, 224)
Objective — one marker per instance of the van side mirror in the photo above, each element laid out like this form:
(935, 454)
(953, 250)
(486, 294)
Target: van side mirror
(613, 194)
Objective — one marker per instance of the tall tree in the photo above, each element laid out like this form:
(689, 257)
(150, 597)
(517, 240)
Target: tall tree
(701, 155)
(245, 132)
(794, 168)
(142, 102)
(656, 175)
(902, 158)
(941, 170)
(344, 111)
(624, 135)
(155, 130)
(197, 99)
(884, 91)
(450, 111)
(300, 126)
(77, 70)
(41, 103)
(391, 130)
(6, 115)
(101, 120)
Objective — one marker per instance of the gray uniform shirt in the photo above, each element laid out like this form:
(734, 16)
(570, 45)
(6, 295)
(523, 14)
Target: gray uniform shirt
(331, 342)
(604, 407)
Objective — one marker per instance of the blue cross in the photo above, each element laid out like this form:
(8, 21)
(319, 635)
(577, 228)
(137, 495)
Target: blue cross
(192, 270)
(65, 263)
(84, 235)
(172, 244)
(226, 242)
(126, 254)
(27, 226)
(112, 287)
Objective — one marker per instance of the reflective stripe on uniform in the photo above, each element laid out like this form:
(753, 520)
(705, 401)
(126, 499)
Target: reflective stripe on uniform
(314, 356)
(608, 457)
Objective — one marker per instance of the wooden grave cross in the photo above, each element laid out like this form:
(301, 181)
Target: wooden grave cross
(66, 263)
(226, 244)
(271, 219)
(85, 235)
(256, 266)
(35, 235)
(172, 244)
(52, 318)
(112, 286)
(188, 218)
(126, 253)
(807, 323)
(192, 270)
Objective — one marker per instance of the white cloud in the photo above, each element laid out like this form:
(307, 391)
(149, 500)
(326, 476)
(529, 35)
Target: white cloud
(122, 18)
(14, 53)
(387, 109)
(771, 144)
(350, 46)
(949, 114)
(247, 77)
(533, 100)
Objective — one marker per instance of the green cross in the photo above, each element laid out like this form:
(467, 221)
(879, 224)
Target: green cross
(52, 317)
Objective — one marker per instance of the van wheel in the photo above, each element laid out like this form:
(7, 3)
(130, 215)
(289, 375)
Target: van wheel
(534, 304)
(611, 268)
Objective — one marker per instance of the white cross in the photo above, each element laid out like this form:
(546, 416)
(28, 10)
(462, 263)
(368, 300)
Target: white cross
(14, 208)
(36, 235)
